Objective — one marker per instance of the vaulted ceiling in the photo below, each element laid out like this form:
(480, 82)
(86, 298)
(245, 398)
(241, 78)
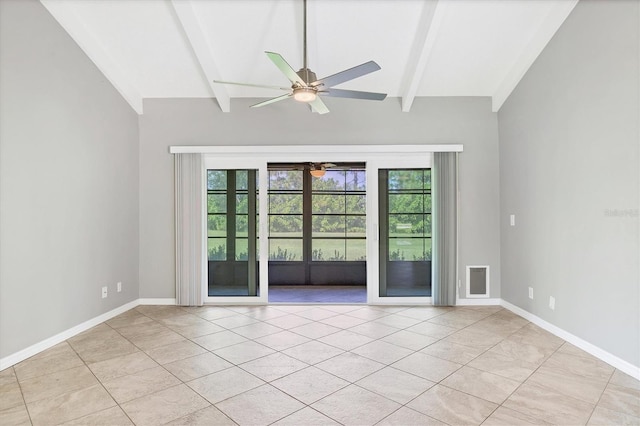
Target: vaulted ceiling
(176, 48)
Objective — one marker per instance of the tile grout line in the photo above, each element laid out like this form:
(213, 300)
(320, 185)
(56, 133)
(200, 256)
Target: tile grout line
(316, 339)
(24, 402)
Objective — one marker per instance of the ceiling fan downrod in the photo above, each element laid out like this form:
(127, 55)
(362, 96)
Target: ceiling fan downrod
(305, 73)
(305, 94)
(304, 30)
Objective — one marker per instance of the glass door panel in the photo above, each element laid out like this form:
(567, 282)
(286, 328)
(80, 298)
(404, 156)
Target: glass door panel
(405, 232)
(232, 217)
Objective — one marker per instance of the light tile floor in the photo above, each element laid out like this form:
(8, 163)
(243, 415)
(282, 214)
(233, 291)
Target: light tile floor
(316, 365)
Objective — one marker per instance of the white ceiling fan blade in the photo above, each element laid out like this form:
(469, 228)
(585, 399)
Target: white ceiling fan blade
(262, 86)
(346, 75)
(353, 94)
(272, 100)
(286, 69)
(318, 106)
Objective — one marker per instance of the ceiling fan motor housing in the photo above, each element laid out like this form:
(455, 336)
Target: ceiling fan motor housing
(307, 75)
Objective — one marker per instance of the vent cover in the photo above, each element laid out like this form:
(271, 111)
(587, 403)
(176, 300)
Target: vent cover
(478, 281)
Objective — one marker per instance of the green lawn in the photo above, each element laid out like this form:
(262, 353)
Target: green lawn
(330, 249)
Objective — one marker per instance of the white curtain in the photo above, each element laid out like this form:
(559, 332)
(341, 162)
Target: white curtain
(445, 228)
(190, 229)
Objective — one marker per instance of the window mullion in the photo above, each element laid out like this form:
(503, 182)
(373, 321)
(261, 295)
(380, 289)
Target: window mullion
(231, 215)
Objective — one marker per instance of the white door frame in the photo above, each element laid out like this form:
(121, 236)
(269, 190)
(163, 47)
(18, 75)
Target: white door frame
(375, 158)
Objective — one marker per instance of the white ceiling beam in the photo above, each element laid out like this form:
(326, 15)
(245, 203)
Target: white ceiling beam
(432, 13)
(65, 15)
(202, 50)
(536, 45)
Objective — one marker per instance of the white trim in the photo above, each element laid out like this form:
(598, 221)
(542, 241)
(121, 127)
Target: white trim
(432, 16)
(45, 344)
(479, 302)
(375, 157)
(620, 364)
(468, 282)
(202, 50)
(321, 150)
(536, 45)
(401, 301)
(236, 301)
(244, 162)
(398, 161)
(157, 301)
(64, 13)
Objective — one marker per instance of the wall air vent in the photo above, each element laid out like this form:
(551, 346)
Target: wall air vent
(478, 281)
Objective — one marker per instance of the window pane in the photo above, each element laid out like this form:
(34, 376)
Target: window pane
(333, 180)
(356, 249)
(217, 248)
(356, 226)
(285, 250)
(242, 226)
(328, 226)
(242, 249)
(285, 203)
(406, 225)
(328, 204)
(216, 179)
(406, 179)
(427, 179)
(406, 203)
(241, 179)
(324, 250)
(285, 180)
(427, 249)
(356, 204)
(216, 225)
(216, 203)
(408, 249)
(242, 203)
(285, 226)
(427, 225)
(356, 180)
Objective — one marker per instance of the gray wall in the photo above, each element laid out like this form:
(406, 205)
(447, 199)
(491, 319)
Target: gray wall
(569, 171)
(68, 182)
(169, 122)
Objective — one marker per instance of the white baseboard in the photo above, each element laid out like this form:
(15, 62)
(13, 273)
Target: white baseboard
(620, 364)
(478, 302)
(158, 301)
(32, 350)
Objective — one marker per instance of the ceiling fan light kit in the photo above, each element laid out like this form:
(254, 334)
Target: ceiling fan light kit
(304, 94)
(306, 88)
(319, 169)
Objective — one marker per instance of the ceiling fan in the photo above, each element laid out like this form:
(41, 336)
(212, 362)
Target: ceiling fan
(319, 169)
(305, 86)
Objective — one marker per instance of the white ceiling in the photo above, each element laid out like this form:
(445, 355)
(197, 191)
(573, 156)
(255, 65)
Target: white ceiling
(175, 48)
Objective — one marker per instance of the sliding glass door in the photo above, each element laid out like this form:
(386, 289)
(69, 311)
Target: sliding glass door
(366, 221)
(405, 232)
(232, 217)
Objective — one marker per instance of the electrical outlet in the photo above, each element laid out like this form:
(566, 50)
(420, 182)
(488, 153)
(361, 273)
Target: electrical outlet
(530, 292)
(552, 303)
(512, 220)
(104, 292)
(119, 287)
